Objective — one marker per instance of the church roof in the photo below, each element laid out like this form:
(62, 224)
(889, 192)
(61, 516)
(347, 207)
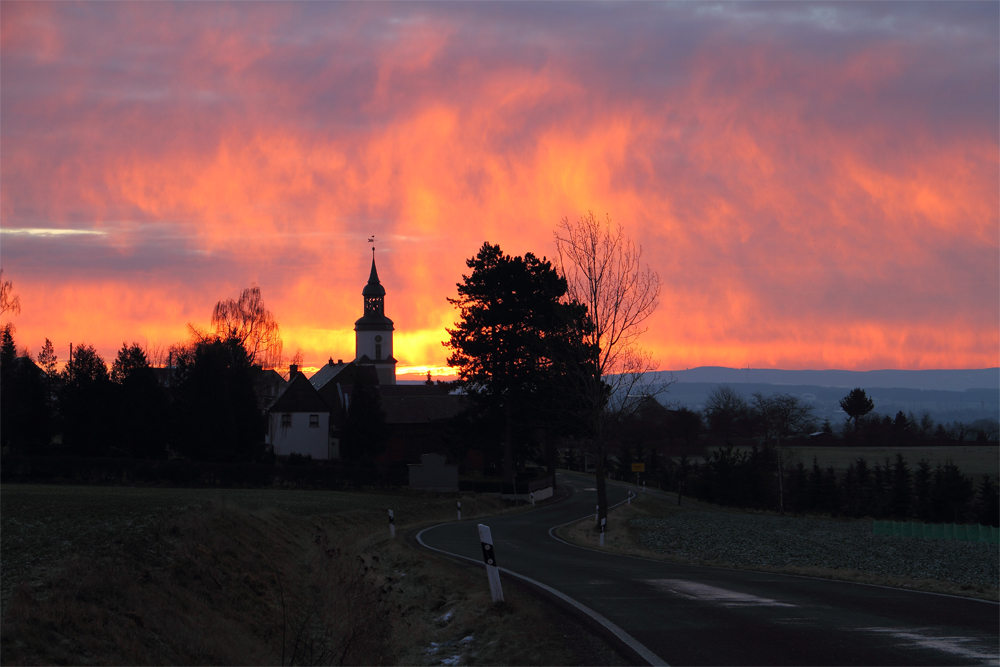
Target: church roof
(417, 404)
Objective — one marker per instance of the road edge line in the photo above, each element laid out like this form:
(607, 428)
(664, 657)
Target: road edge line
(631, 642)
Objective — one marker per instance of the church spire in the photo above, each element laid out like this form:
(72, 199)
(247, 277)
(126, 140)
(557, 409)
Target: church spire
(373, 277)
(373, 332)
(374, 293)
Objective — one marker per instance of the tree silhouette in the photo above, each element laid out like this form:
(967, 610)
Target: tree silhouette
(365, 431)
(856, 404)
(604, 273)
(9, 302)
(139, 405)
(23, 403)
(47, 359)
(727, 412)
(512, 333)
(85, 402)
(215, 410)
(247, 321)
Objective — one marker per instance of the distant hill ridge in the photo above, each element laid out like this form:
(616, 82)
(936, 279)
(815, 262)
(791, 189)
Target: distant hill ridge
(944, 379)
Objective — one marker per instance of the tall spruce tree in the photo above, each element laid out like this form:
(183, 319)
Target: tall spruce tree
(140, 405)
(513, 334)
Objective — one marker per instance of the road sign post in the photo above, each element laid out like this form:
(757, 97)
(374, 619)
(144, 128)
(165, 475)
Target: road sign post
(459, 510)
(603, 523)
(392, 526)
(490, 558)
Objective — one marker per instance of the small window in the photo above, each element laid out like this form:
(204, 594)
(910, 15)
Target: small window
(286, 419)
(378, 351)
(313, 421)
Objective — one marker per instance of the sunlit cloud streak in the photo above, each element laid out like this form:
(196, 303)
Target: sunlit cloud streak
(817, 185)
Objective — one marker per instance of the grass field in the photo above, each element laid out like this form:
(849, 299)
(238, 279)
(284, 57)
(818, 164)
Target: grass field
(179, 576)
(623, 538)
(971, 460)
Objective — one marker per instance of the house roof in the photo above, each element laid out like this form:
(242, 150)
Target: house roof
(343, 381)
(327, 373)
(299, 396)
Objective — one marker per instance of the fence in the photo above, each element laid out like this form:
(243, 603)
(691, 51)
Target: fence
(938, 531)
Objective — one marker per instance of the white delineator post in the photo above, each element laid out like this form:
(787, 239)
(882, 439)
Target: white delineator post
(603, 522)
(392, 526)
(459, 510)
(532, 495)
(490, 558)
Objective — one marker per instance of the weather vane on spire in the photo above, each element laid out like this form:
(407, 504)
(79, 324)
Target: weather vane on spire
(371, 239)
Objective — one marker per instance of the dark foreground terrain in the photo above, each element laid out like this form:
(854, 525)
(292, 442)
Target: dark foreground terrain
(110, 575)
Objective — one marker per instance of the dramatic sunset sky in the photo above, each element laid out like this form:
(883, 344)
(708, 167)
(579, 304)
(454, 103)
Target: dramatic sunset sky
(816, 184)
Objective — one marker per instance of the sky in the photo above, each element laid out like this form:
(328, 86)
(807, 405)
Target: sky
(817, 185)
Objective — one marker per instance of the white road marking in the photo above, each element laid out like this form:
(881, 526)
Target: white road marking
(964, 647)
(727, 598)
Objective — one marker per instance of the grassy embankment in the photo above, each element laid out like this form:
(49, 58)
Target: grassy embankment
(98, 575)
(622, 538)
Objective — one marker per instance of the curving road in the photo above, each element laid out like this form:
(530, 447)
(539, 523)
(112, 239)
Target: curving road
(691, 615)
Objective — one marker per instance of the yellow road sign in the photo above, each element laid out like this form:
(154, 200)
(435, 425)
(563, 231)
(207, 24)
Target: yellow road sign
(638, 467)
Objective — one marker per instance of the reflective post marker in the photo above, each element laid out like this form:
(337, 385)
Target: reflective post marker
(392, 526)
(532, 496)
(603, 522)
(459, 510)
(490, 558)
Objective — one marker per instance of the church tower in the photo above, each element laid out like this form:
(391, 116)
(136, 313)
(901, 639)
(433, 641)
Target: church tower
(373, 332)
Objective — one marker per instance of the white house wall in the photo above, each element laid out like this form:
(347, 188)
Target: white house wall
(300, 438)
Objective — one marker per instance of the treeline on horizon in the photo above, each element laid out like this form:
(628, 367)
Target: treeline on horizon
(757, 478)
(761, 476)
(205, 410)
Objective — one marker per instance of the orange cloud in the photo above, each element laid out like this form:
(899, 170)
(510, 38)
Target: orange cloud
(805, 206)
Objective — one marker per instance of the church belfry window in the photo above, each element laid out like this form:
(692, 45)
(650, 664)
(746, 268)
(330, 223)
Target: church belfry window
(373, 305)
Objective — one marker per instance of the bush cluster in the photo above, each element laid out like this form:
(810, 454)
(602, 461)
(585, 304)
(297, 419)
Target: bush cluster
(756, 479)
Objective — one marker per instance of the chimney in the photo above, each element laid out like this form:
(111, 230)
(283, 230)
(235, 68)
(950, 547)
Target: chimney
(292, 370)
(340, 361)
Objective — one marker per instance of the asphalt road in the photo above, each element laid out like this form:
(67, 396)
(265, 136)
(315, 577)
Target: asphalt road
(691, 615)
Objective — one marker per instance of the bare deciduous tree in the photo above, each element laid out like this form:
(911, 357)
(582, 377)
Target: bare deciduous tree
(604, 271)
(248, 321)
(8, 301)
(778, 416)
